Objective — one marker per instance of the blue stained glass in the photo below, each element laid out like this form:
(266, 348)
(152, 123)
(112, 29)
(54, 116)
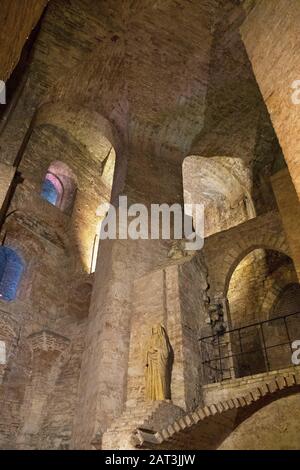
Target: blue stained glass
(49, 192)
(11, 269)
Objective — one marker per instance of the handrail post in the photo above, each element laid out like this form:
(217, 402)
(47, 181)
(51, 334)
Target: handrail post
(264, 346)
(220, 358)
(223, 353)
(288, 334)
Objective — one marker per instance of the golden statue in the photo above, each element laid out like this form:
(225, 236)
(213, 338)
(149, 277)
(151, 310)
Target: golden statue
(158, 365)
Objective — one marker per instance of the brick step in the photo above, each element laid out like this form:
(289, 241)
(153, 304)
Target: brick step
(120, 432)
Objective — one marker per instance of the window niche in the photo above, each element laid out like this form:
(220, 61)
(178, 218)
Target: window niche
(11, 270)
(59, 186)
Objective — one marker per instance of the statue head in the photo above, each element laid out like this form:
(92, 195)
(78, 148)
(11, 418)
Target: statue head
(158, 329)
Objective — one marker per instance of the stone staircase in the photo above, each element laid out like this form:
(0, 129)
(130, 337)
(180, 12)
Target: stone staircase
(149, 416)
(206, 427)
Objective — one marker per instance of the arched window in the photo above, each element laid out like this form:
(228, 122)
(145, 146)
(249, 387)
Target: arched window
(11, 269)
(59, 186)
(49, 192)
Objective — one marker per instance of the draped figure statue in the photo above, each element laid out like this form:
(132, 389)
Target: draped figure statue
(157, 365)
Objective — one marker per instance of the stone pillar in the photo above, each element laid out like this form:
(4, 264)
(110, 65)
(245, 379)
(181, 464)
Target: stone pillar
(289, 208)
(49, 351)
(271, 33)
(101, 386)
(103, 378)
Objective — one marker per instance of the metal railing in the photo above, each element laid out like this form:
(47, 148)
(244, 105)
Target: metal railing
(250, 349)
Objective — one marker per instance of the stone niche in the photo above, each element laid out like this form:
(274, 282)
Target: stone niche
(174, 297)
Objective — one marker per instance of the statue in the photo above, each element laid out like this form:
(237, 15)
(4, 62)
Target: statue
(157, 366)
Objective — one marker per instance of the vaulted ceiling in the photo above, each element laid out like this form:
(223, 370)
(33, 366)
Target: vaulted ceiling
(172, 76)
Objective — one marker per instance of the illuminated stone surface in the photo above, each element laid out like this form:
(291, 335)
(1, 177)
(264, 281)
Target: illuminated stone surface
(163, 102)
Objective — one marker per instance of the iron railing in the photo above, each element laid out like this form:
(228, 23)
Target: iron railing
(250, 349)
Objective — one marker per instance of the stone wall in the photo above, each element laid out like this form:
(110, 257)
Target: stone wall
(208, 427)
(230, 389)
(174, 297)
(140, 79)
(223, 185)
(270, 428)
(55, 289)
(236, 243)
(259, 275)
(274, 59)
(289, 208)
(23, 18)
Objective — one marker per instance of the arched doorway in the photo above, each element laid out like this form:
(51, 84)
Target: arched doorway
(261, 334)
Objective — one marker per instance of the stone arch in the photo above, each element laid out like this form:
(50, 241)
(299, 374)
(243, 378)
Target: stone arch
(94, 134)
(246, 246)
(59, 186)
(223, 185)
(87, 126)
(224, 251)
(190, 431)
(88, 144)
(31, 250)
(258, 347)
(22, 240)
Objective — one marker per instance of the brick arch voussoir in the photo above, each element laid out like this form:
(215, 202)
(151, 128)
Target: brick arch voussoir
(190, 431)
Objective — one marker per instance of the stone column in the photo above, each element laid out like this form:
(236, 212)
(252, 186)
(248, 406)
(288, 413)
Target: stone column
(271, 34)
(103, 379)
(289, 208)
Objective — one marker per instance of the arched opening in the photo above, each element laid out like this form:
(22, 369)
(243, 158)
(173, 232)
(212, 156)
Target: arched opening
(11, 270)
(81, 178)
(223, 186)
(261, 334)
(59, 186)
(49, 191)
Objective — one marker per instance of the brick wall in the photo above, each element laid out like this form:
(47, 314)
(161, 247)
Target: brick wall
(174, 296)
(275, 61)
